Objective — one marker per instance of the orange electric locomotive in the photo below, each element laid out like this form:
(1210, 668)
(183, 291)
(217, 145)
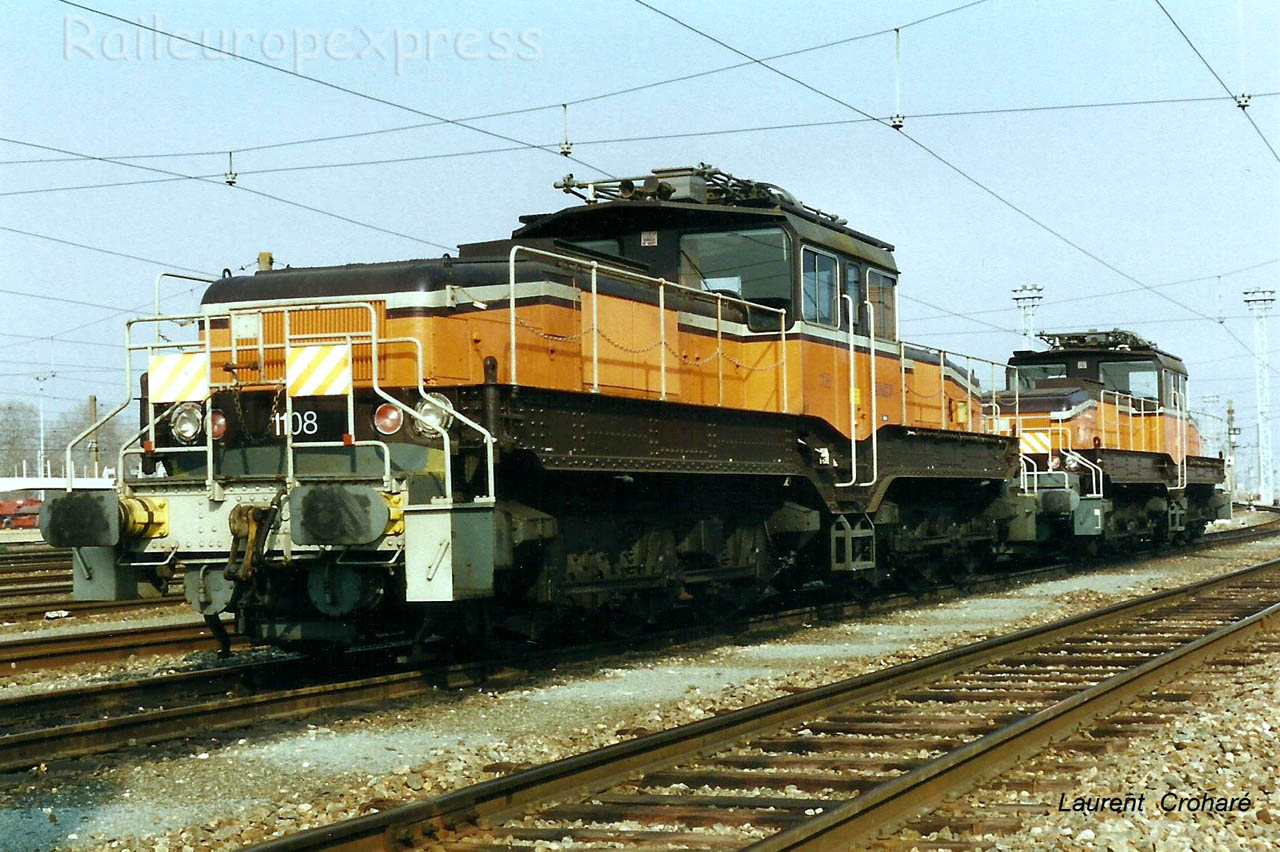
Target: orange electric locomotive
(686, 392)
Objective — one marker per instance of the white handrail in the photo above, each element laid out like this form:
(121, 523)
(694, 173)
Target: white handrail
(853, 399)
(285, 307)
(595, 328)
(875, 414)
(596, 267)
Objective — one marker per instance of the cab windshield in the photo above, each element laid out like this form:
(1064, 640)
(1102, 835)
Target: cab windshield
(1136, 378)
(754, 265)
(1030, 374)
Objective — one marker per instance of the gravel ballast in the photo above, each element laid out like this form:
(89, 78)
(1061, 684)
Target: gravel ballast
(1225, 743)
(222, 792)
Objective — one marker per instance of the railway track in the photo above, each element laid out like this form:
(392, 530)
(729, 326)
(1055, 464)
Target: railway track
(57, 649)
(33, 556)
(18, 610)
(61, 648)
(831, 768)
(40, 579)
(32, 586)
(34, 572)
(68, 723)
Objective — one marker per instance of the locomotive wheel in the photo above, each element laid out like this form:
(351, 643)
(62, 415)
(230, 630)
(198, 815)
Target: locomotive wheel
(721, 604)
(623, 623)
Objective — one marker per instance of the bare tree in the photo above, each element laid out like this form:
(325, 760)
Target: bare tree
(19, 436)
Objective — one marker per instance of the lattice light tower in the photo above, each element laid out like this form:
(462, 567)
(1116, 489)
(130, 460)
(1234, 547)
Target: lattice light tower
(1027, 298)
(1260, 302)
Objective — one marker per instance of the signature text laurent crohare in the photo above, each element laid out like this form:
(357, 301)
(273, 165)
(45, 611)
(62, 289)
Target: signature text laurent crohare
(1170, 802)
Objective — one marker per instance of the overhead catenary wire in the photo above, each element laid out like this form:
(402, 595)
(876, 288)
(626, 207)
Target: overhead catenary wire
(114, 346)
(1114, 323)
(949, 312)
(948, 164)
(616, 140)
(61, 299)
(740, 64)
(325, 83)
(62, 366)
(685, 134)
(1221, 82)
(32, 394)
(59, 336)
(101, 250)
(239, 187)
(1096, 296)
(539, 108)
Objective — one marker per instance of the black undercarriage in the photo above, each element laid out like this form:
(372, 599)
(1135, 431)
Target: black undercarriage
(646, 509)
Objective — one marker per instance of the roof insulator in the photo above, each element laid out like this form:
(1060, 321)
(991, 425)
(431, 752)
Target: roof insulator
(566, 147)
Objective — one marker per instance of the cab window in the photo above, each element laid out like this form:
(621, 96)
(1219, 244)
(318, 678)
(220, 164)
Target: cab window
(754, 265)
(1136, 378)
(821, 288)
(1175, 389)
(613, 247)
(1030, 374)
(880, 292)
(853, 286)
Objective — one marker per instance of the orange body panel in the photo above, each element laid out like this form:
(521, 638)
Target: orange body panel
(1115, 427)
(704, 361)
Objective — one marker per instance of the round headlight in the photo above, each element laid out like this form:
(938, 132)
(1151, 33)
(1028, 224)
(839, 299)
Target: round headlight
(1071, 463)
(186, 421)
(1055, 462)
(437, 411)
(217, 424)
(388, 418)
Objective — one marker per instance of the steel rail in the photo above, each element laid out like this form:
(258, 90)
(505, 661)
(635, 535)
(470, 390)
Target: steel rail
(492, 801)
(861, 819)
(32, 586)
(34, 556)
(30, 609)
(61, 649)
(105, 734)
(25, 748)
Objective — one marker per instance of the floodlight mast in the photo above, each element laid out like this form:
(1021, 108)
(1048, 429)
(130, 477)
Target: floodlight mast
(1260, 302)
(1027, 298)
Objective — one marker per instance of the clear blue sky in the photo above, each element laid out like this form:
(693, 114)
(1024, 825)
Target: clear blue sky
(1162, 192)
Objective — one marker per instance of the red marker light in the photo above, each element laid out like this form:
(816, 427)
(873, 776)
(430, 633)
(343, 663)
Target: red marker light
(388, 418)
(217, 424)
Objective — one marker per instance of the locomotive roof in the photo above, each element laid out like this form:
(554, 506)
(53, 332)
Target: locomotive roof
(1116, 344)
(608, 218)
(700, 199)
(695, 198)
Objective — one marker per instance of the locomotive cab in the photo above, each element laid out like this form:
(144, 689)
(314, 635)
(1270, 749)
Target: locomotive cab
(706, 230)
(1115, 361)
(1104, 423)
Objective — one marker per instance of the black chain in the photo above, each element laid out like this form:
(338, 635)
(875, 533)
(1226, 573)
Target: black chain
(276, 406)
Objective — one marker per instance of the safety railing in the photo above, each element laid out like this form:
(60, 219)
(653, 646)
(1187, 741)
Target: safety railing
(991, 418)
(1054, 442)
(1212, 432)
(1183, 416)
(1032, 478)
(1131, 422)
(201, 390)
(662, 344)
(981, 411)
(975, 417)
